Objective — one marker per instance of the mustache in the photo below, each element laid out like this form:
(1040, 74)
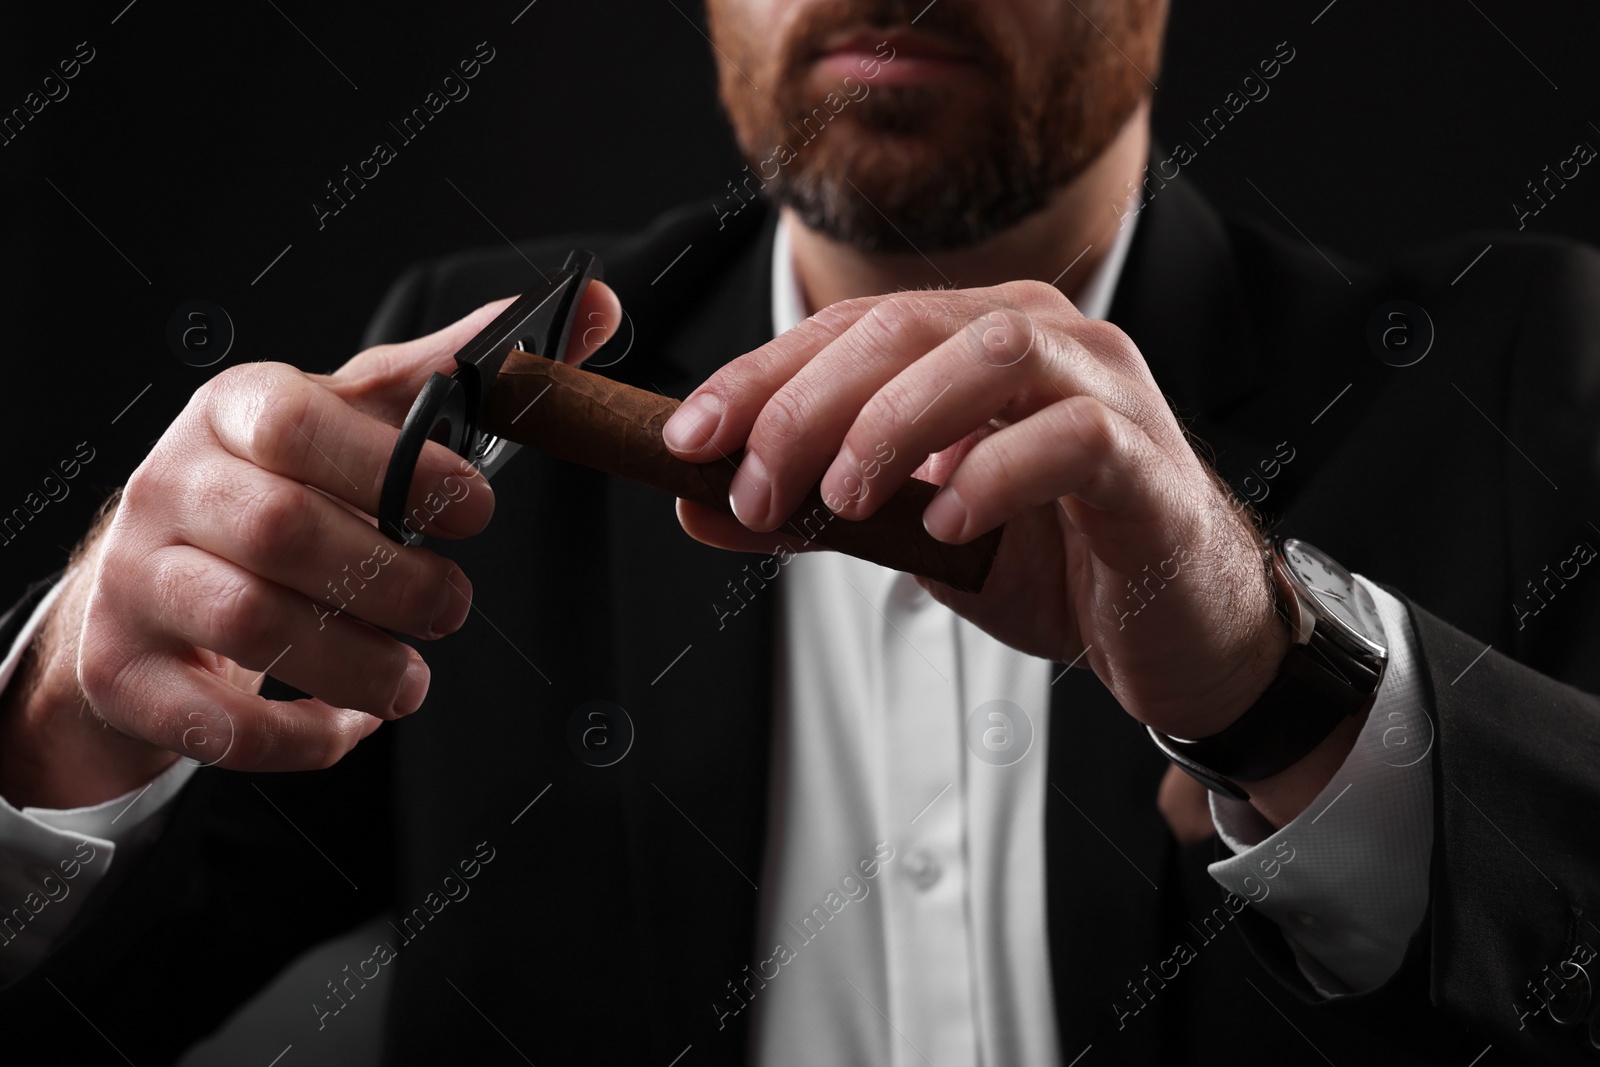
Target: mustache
(961, 22)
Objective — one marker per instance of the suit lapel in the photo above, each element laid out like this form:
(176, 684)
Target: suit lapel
(1220, 314)
(695, 677)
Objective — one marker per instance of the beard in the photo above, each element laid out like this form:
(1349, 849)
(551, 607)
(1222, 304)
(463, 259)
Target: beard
(940, 165)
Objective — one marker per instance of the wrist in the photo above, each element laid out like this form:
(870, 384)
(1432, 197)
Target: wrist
(1288, 743)
(55, 750)
(1282, 797)
(1260, 653)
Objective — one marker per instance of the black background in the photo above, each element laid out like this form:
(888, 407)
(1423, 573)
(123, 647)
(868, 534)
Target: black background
(199, 135)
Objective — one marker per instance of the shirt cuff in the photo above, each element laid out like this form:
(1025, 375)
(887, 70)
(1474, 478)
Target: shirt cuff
(1347, 881)
(51, 859)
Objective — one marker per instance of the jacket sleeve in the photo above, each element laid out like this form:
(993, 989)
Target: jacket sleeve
(1509, 945)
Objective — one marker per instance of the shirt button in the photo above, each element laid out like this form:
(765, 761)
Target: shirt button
(923, 868)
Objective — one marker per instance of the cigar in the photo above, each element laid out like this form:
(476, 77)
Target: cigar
(585, 418)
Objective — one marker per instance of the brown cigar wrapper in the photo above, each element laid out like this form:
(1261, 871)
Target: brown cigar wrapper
(591, 420)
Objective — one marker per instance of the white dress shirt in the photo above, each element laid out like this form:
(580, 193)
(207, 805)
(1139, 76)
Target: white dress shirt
(52, 859)
(1356, 886)
(903, 908)
(884, 701)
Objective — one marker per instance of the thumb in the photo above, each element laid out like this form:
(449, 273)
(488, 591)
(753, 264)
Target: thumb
(384, 380)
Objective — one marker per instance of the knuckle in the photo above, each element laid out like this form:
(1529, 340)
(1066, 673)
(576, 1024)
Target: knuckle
(1105, 424)
(892, 407)
(214, 392)
(381, 362)
(152, 489)
(1107, 344)
(172, 583)
(244, 381)
(1093, 426)
(140, 486)
(819, 329)
(746, 379)
(282, 427)
(783, 421)
(1004, 335)
(116, 571)
(101, 667)
(844, 311)
(274, 523)
(326, 746)
(893, 318)
(330, 751)
(106, 631)
(895, 329)
(1034, 291)
(237, 613)
(1005, 459)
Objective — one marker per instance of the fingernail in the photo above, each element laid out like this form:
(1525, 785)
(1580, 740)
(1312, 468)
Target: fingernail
(413, 687)
(843, 473)
(946, 517)
(455, 601)
(750, 495)
(692, 425)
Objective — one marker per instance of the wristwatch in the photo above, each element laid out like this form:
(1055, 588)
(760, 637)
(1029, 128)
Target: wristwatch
(1335, 661)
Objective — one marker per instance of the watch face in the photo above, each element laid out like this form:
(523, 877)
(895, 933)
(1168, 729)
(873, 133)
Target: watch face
(1339, 595)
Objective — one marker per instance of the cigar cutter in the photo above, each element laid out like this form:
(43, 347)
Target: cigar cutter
(450, 408)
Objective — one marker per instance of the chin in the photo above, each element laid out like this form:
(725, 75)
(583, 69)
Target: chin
(906, 193)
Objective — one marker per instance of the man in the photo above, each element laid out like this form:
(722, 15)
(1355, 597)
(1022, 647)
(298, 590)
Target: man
(868, 871)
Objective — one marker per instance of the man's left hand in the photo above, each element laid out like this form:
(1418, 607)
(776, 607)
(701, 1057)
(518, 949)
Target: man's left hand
(1121, 549)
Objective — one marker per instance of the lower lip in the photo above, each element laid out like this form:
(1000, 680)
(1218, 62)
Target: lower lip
(902, 69)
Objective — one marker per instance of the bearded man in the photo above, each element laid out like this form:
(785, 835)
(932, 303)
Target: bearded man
(854, 816)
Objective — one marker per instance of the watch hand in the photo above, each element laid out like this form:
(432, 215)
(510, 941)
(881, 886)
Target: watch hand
(1330, 592)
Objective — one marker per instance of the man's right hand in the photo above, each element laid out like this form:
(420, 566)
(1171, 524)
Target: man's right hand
(243, 545)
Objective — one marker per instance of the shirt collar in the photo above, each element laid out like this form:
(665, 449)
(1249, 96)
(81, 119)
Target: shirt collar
(788, 306)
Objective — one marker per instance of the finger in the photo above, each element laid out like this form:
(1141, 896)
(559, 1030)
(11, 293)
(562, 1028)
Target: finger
(799, 427)
(383, 380)
(211, 603)
(715, 419)
(721, 530)
(1078, 447)
(185, 708)
(276, 418)
(997, 366)
(937, 468)
(298, 538)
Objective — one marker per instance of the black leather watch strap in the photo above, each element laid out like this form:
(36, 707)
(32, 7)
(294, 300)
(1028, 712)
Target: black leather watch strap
(1319, 684)
(1303, 705)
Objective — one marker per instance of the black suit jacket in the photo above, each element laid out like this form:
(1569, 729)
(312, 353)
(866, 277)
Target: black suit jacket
(616, 910)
